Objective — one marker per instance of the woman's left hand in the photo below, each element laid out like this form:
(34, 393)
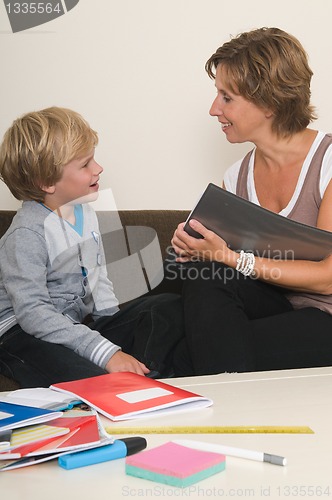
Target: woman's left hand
(210, 247)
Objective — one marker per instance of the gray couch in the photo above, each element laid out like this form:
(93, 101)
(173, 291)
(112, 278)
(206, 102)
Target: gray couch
(162, 221)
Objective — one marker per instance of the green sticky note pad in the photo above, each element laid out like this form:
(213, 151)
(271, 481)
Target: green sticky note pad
(175, 465)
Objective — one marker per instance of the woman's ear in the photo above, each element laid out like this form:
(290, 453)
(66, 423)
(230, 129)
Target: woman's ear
(269, 113)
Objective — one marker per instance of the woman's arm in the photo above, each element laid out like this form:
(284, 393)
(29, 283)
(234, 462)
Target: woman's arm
(299, 275)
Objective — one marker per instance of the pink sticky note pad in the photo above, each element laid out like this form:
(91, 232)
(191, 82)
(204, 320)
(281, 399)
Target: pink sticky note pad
(174, 464)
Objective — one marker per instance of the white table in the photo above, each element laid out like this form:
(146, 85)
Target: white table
(290, 398)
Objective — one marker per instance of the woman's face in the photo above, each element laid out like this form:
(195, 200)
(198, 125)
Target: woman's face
(241, 120)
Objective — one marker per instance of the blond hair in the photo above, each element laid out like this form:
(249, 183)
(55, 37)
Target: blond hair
(269, 67)
(38, 145)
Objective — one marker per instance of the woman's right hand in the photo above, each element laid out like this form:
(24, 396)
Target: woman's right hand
(210, 247)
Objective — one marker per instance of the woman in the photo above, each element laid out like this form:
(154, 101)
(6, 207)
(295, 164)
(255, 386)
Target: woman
(266, 314)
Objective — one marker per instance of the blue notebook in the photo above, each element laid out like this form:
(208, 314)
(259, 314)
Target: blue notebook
(13, 416)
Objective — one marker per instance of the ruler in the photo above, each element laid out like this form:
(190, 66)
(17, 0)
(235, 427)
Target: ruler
(218, 429)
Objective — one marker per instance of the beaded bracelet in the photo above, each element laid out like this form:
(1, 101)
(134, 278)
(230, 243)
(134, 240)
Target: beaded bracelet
(245, 264)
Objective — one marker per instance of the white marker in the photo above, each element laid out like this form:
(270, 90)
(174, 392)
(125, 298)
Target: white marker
(235, 452)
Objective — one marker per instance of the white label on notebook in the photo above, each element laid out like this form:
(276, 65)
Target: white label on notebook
(143, 394)
(4, 415)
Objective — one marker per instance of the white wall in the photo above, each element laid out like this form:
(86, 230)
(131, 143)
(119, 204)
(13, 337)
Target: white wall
(135, 70)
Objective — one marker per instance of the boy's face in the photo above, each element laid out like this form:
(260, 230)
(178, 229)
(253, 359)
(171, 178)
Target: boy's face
(78, 184)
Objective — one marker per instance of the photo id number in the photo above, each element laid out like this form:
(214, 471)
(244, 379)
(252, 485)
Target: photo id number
(34, 8)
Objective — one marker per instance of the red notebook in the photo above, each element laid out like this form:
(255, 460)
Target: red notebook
(81, 432)
(124, 395)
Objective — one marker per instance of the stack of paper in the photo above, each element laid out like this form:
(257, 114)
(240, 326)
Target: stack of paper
(74, 430)
(40, 397)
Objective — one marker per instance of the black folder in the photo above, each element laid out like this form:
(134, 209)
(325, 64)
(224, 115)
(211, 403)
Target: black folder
(249, 227)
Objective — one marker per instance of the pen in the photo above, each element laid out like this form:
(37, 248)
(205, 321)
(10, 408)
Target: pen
(118, 449)
(235, 452)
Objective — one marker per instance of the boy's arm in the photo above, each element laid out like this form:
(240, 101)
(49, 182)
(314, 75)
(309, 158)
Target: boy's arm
(24, 259)
(105, 303)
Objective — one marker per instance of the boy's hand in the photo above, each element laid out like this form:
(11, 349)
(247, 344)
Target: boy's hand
(122, 362)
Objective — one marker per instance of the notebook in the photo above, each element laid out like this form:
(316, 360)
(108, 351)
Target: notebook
(125, 395)
(249, 227)
(13, 416)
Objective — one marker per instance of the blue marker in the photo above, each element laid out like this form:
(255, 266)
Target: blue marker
(119, 449)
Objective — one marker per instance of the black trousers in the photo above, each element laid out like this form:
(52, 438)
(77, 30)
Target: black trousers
(238, 324)
(149, 328)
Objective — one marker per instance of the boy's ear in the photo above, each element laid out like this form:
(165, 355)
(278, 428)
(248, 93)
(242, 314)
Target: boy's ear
(48, 189)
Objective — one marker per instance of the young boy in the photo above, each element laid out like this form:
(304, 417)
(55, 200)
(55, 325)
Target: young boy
(52, 275)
